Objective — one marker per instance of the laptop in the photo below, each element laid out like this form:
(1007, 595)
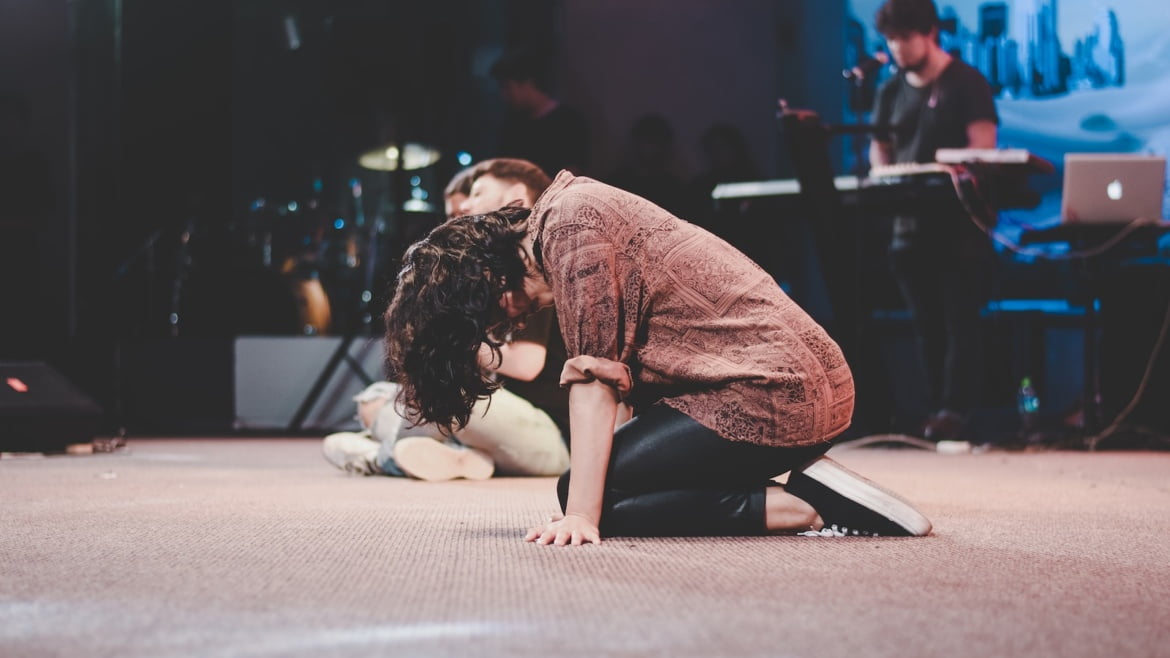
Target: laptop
(1112, 188)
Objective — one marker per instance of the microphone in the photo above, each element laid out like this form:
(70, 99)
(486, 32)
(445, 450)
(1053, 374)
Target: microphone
(866, 67)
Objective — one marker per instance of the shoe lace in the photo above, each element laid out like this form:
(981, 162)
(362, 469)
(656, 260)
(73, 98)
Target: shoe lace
(363, 466)
(835, 530)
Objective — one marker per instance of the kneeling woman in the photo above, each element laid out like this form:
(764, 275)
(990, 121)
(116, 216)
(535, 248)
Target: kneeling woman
(730, 382)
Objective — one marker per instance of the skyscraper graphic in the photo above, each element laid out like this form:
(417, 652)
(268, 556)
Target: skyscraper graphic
(1103, 53)
(993, 19)
(1018, 49)
(1045, 69)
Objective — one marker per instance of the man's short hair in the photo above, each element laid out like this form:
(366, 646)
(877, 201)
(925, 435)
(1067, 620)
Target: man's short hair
(514, 170)
(903, 17)
(460, 184)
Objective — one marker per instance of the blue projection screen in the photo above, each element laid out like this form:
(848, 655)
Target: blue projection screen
(1070, 76)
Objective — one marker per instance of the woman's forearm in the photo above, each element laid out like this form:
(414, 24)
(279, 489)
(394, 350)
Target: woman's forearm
(593, 408)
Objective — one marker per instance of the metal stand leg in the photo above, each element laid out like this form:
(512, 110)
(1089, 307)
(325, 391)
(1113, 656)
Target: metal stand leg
(340, 354)
(370, 258)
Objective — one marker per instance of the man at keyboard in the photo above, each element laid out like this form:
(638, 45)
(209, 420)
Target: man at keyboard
(939, 256)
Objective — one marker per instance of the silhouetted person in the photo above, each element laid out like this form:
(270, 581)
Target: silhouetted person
(651, 169)
(538, 127)
(727, 159)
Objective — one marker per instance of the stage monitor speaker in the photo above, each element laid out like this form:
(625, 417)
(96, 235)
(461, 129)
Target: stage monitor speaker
(41, 410)
(274, 375)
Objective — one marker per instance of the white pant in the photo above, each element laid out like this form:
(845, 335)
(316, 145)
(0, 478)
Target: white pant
(521, 439)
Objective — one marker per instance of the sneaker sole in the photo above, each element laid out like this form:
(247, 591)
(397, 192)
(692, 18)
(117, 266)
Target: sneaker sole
(868, 493)
(427, 459)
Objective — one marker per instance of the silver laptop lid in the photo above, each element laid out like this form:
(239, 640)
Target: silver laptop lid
(1112, 187)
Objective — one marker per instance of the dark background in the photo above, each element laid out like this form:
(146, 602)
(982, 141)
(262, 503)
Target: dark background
(161, 145)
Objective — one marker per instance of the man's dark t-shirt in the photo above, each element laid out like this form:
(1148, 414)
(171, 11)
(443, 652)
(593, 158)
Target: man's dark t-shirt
(925, 119)
(545, 391)
(922, 120)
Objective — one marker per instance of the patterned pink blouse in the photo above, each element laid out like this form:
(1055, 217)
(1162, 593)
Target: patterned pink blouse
(664, 310)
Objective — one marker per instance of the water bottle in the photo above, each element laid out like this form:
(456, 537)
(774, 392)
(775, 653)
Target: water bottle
(1028, 406)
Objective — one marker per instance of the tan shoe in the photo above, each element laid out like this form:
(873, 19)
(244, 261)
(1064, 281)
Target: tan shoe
(427, 459)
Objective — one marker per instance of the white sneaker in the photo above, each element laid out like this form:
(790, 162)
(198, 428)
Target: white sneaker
(352, 452)
(427, 459)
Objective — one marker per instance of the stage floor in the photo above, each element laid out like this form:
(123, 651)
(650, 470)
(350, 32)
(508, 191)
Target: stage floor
(258, 547)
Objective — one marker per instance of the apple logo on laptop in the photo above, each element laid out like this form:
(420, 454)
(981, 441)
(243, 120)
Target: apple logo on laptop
(1114, 190)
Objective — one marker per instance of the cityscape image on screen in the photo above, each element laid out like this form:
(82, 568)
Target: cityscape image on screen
(1069, 75)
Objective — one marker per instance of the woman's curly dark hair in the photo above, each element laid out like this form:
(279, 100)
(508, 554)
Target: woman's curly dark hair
(446, 304)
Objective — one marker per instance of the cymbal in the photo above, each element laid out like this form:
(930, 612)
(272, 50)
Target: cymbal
(385, 158)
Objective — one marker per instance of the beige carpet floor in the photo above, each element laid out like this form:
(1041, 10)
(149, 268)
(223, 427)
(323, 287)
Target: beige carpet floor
(258, 547)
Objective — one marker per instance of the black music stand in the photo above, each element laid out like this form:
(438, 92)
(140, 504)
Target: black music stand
(836, 234)
(808, 140)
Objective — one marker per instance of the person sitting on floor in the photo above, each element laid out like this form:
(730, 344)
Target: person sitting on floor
(521, 430)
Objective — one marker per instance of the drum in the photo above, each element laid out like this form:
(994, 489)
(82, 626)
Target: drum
(314, 314)
(219, 295)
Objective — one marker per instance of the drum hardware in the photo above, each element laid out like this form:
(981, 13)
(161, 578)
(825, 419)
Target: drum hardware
(314, 313)
(183, 267)
(389, 158)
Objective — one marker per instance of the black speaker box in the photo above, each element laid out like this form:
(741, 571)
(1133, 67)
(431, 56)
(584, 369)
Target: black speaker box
(1134, 308)
(41, 410)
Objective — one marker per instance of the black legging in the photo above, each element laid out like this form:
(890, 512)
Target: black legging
(670, 476)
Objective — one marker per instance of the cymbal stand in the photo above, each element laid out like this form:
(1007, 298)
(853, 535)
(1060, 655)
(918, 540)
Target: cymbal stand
(341, 352)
